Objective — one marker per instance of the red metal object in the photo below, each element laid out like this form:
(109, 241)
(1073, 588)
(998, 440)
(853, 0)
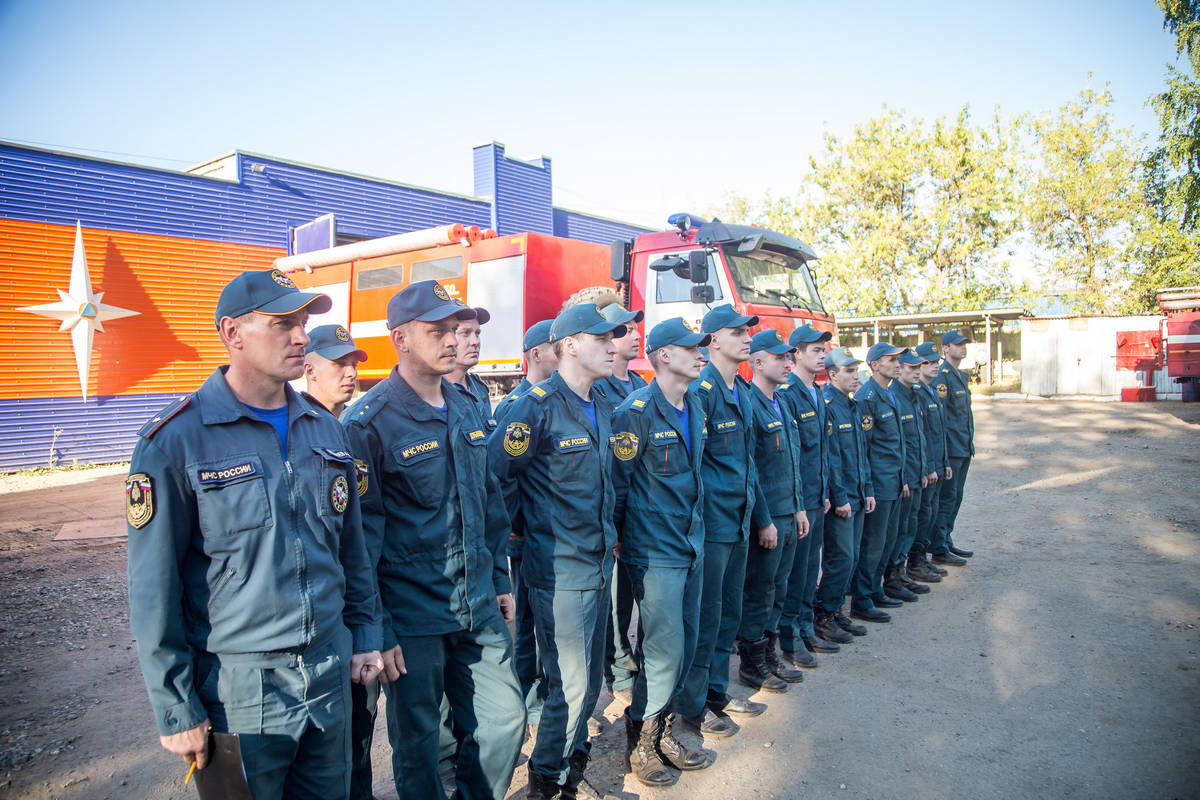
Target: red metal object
(1183, 344)
(1139, 350)
(1138, 394)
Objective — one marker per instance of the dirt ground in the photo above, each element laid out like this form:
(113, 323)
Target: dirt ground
(1063, 661)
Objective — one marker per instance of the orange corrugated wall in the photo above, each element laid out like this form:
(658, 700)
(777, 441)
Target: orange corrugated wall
(173, 282)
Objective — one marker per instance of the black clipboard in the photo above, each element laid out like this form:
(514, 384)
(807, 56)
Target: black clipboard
(224, 778)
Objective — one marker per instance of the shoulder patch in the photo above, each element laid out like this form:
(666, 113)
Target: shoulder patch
(868, 422)
(942, 390)
(139, 500)
(161, 418)
(624, 445)
(516, 438)
(362, 476)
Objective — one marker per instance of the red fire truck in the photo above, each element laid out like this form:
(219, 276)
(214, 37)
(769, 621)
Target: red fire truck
(524, 278)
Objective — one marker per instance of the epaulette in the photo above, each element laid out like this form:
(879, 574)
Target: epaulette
(638, 405)
(161, 418)
(705, 386)
(362, 411)
(315, 402)
(538, 392)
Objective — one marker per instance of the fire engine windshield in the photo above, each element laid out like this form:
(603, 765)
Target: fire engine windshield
(772, 278)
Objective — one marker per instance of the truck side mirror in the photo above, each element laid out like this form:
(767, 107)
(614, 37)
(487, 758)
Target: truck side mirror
(668, 263)
(703, 294)
(618, 266)
(698, 266)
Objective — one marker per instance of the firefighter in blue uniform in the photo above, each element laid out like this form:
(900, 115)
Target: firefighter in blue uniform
(468, 336)
(954, 391)
(540, 363)
(852, 497)
(778, 518)
(885, 452)
(797, 638)
(620, 666)
(551, 455)
(730, 493)
(657, 446)
(917, 475)
(919, 567)
(250, 589)
(436, 529)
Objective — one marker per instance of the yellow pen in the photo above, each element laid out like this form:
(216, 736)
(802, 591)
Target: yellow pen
(191, 769)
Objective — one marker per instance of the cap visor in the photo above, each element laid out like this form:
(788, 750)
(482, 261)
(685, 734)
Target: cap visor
(333, 353)
(294, 301)
(483, 315)
(599, 329)
(694, 340)
(450, 308)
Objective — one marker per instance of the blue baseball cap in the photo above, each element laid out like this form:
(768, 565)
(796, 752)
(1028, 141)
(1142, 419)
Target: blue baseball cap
(840, 357)
(807, 334)
(927, 351)
(614, 313)
(723, 316)
(954, 337)
(675, 331)
(267, 292)
(332, 342)
(911, 358)
(538, 333)
(881, 349)
(771, 341)
(583, 318)
(424, 301)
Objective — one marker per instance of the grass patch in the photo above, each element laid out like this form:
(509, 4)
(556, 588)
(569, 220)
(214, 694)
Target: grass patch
(1011, 386)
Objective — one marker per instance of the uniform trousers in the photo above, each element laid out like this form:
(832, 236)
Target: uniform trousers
(668, 600)
(927, 516)
(620, 666)
(910, 509)
(951, 499)
(797, 618)
(571, 627)
(880, 524)
(525, 647)
(474, 671)
(724, 578)
(843, 537)
(767, 573)
(291, 712)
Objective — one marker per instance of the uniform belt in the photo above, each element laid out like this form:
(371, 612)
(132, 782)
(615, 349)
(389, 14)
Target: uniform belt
(290, 657)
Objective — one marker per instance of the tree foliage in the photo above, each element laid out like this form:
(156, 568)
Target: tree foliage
(907, 216)
(1178, 109)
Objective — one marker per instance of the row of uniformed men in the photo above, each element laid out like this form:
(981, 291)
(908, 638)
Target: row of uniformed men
(275, 556)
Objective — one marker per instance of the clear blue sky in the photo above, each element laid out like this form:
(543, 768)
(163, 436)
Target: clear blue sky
(645, 108)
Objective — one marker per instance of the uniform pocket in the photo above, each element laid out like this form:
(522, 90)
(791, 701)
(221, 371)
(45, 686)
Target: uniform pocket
(419, 467)
(334, 487)
(231, 495)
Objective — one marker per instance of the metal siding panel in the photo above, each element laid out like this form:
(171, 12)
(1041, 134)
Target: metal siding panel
(60, 189)
(573, 225)
(100, 430)
(523, 197)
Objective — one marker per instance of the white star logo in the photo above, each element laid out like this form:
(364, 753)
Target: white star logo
(80, 310)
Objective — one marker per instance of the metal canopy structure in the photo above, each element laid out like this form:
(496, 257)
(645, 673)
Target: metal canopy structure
(940, 320)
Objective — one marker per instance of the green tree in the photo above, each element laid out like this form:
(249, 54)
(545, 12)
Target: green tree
(906, 216)
(1178, 109)
(1085, 200)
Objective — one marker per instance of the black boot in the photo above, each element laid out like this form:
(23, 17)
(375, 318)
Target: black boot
(949, 559)
(909, 583)
(826, 627)
(576, 787)
(778, 668)
(675, 752)
(540, 786)
(848, 625)
(641, 752)
(753, 670)
(893, 588)
(919, 570)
